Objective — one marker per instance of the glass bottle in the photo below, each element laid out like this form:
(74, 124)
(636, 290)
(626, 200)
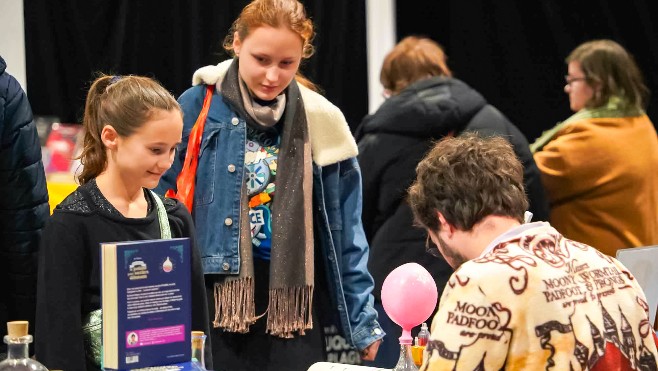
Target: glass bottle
(198, 346)
(405, 362)
(18, 342)
(423, 335)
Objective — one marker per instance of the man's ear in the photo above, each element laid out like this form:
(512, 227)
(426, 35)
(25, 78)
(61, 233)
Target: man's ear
(444, 225)
(109, 137)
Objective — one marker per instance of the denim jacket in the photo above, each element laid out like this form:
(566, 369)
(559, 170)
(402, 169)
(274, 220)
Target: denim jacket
(336, 202)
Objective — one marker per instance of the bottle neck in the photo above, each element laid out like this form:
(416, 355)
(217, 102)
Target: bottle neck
(406, 349)
(18, 348)
(405, 361)
(17, 351)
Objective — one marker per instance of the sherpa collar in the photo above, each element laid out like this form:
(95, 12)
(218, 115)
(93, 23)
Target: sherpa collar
(331, 138)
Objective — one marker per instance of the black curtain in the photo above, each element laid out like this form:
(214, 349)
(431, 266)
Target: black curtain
(513, 51)
(69, 41)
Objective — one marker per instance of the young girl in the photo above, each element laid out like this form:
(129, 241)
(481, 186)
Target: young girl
(132, 128)
(277, 202)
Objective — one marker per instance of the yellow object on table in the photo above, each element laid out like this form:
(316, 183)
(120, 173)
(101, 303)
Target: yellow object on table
(417, 354)
(59, 186)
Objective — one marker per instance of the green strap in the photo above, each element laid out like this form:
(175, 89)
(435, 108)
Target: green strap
(92, 323)
(165, 229)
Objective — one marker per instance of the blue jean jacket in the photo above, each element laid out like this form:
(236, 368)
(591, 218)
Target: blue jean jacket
(336, 210)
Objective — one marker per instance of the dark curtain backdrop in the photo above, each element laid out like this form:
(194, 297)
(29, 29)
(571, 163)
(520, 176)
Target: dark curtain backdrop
(513, 51)
(68, 41)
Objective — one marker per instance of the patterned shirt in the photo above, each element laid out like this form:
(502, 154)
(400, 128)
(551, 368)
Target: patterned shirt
(540, 301)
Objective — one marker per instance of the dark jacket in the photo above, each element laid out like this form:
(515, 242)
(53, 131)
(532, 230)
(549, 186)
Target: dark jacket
(23, 203)
(393, 140)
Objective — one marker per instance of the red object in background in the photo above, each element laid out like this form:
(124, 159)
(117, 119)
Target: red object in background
(61, 146)
(186, 179)
(423, 335)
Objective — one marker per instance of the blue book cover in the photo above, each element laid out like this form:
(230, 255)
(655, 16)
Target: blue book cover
(146, 296)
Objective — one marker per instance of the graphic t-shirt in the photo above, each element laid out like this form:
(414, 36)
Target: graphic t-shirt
(261, 153)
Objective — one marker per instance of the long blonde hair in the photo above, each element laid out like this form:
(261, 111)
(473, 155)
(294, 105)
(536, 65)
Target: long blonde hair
(126, 103)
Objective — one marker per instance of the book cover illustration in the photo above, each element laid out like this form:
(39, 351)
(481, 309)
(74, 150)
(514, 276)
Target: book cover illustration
(186, 366)
(146, 295)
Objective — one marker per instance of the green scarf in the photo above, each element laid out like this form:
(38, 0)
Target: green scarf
(616, 107)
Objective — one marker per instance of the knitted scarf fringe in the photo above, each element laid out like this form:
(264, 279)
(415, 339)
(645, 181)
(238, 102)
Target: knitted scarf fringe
(234, 305)
(289, 308)
(290, 311)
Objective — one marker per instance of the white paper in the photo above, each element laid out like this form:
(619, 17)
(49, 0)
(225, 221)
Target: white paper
(329, 366)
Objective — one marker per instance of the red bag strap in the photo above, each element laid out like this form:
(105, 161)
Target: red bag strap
(187, 177)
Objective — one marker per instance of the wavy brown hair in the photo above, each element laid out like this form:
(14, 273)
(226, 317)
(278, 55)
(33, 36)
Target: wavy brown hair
(466, 179)
(276, 14)
(609, 66)
(126, 103)
(412, 59)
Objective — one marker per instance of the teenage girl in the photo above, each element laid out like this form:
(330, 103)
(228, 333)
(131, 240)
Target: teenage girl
(277, 203)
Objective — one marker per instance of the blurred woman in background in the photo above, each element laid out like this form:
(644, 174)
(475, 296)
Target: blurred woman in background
(600, 166)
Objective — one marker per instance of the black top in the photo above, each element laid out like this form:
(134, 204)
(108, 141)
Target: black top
(394, 139)
(69, 269)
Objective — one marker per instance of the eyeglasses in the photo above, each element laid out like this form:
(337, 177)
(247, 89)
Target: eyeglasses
(570, 79)
(431, 249)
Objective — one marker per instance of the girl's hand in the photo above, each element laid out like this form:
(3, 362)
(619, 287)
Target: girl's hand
(370, 352)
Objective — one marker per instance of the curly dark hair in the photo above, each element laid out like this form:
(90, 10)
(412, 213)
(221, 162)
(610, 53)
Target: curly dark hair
(468, 178)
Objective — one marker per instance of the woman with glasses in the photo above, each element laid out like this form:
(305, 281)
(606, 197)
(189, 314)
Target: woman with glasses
(600, 166)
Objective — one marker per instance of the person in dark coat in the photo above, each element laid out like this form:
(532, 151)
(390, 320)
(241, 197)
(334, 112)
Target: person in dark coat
(23, 204)
(425, 103)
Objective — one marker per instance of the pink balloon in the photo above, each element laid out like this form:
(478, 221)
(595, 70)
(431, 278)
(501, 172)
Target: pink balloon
(409, 297)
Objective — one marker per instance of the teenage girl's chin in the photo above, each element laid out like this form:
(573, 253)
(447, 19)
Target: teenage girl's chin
(267, 93)
(151, 180)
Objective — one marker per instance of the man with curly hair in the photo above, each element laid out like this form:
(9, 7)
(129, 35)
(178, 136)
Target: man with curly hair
(522, 296)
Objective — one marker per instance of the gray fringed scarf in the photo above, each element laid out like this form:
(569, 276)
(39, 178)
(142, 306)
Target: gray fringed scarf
(291, 264)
